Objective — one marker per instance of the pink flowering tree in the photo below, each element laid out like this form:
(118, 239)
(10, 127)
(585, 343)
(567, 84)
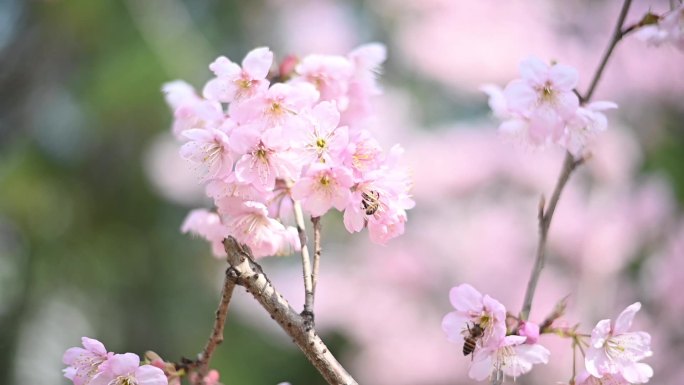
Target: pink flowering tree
(275, 144)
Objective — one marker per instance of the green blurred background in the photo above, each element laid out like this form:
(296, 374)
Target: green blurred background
(87, 245)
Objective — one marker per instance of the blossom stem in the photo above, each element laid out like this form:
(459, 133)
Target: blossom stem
(316, 221)
(545, 216)
(201, 365)
(618, 34)
(248, 274)
(306, 264)
(574, 362)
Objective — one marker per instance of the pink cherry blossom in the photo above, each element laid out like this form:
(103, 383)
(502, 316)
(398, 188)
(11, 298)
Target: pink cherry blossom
(266, 157)
(668, 29)
(473, 308)
(324, 186)
(189, 110)
(208, 226)
(584, 125)
(209, 150)
(85, 363)
(212, 378)
(250, 224)
(321, 138)
(125, 369)
(277, 106)
(330, 75)
(364, 154)
(614, 350)
(544, 96)
(235, 83)
(367, 60)
(511, 357)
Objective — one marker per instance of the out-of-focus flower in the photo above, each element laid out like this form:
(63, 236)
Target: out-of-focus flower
(233, 82)
(614, 350)
(169, 368)
(85, 363)
(668, 29)
(208, 226)
(212, 378)
(542, 107)
(125, 369)
(530, 330)
(584, 124)
(473, 308)
(189, 110)
(249, 223)
(511, 357)
(544, 97)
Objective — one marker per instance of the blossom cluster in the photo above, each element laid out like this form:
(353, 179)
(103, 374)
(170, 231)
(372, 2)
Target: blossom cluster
(260, 141)
(613, 354)
(668, 28)
(93, 365)
(542, 107)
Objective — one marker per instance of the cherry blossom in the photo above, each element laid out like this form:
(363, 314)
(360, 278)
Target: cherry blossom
(614, 350)
(321, 138)
(85, 363)
(207, 225)
(233, 82)
(473, 308)
(125, 369)
(324, 186)
(511, 357)
(209, 149)
(668, 29)
(189, 110)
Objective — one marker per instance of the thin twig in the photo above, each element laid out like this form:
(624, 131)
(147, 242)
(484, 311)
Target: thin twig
(316, 221)
(545, 216)
(250, 275)
(569, 165)
(216, 338)
(618, 33)
(306, 264)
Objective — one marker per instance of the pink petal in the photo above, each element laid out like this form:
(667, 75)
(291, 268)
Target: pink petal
(624, 320)
(638, 373)
(121, 364)
(564, 77)
(465, 298)
(72, 354)
(219, 89)
(223, 67)
(453, 324)
(520, 96)
(600, 333)
(150, 375)
(566, 104)
(596, 361)
(534, 70)
(482, 366)
(258, 62)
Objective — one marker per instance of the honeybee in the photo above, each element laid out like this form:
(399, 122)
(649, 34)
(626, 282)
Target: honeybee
(370, 201)
(474, 335)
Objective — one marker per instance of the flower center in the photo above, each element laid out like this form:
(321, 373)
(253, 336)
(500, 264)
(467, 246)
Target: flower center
(127, 380)
(320, 143)
(325, 181)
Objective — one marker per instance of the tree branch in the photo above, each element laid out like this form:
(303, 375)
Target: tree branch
(248, 273)
(545, 217)
(306, 264)
(618, 33)
(316, 221)
(201, 365)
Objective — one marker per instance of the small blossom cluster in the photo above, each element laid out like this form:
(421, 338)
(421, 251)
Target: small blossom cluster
(543, 108)
(497, 351)
(613, 355)
(261, 141)
(667, 29)
(93, 365)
